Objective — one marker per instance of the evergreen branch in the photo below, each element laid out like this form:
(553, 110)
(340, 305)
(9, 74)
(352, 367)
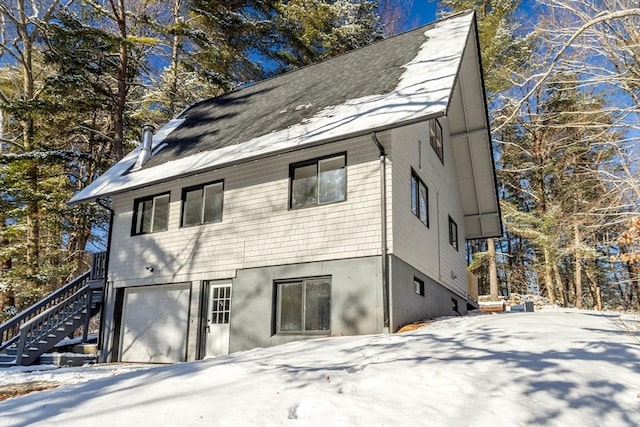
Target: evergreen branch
(94, 131)
(98, 8)
(66, 155)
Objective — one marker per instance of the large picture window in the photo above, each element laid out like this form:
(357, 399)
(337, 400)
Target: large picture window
(151, 214)
(318, 182)
(202, 204)
(435, 136)
(419, 199)
(303, 306)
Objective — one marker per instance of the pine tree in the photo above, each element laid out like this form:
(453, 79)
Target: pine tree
(77, 83)
(552, 162)
(503, 51)
(312, 30)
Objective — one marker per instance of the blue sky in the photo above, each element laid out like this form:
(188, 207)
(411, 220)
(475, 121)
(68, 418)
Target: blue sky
(422, 12)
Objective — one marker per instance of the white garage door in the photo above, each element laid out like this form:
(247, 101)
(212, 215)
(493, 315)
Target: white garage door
(154, 324)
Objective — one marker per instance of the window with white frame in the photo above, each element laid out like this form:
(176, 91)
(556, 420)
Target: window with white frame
(453, 233)
(303, 306)
(419, 198)
(435, 137)
(202, 204)
(150, 214)
(318, 181)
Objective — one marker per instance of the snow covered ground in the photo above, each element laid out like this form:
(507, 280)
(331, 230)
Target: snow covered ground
(549, 368)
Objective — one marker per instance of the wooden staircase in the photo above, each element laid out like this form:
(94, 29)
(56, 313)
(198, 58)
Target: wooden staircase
(36, 330)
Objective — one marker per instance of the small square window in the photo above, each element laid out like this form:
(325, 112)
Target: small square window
(435, 137)
(151, 214)
(418, 286)
(202, 204)
(453, 233)
(318, 182)
(419, 199)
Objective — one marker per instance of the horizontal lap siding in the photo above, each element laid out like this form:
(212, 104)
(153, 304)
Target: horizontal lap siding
(427, 248)
(257, 228)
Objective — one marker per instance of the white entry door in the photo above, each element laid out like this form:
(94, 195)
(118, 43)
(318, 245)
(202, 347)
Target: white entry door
(218, 315)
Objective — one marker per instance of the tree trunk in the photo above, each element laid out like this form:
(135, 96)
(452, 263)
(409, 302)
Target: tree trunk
(596, 293)
(123, 65)
(548, 276)
(493, 270)
(28, 138)
(629, 291)
(577, 267)
(594, 288)
(562, 295)
(175, 58)
(634, 291)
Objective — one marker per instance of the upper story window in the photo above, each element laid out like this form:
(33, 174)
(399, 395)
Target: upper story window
(151, 214)
(453, 233)
(435, 137)
(202, 204)
(318, 181)
(419, 199)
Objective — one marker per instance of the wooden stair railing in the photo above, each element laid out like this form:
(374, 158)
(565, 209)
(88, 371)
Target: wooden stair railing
(10, 330)
(43, 332)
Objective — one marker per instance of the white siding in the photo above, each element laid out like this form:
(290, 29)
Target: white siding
(257, 228)
(427, 248)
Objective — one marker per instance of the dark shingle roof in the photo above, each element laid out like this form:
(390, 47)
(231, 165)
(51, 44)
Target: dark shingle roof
(289, 99)
(400, 80)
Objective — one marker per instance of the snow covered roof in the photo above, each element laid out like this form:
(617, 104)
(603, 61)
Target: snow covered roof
(400, 80)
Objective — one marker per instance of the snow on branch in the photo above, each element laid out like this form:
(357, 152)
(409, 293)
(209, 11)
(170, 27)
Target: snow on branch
(603, 16)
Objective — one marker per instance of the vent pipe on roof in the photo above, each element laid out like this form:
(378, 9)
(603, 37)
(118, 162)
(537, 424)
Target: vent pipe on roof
(145, 150)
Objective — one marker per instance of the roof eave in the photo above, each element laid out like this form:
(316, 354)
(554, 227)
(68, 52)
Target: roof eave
(77, 200)
(490, 139)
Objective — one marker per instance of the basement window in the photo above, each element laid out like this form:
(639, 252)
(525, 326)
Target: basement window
(202, 204)
(435, 137)
(151, 214)
(419, 199)
(418, 286)
(318, 182)
(303, 306)
(453, 233)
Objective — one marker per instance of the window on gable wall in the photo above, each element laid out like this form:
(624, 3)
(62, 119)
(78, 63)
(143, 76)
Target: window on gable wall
(151, 214)
(202, 204)
(435, 137)
(419, 199)
(318, 182)
(453, 233)
(303, 306)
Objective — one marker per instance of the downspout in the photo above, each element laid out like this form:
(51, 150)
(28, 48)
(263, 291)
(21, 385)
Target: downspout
(439, 246)
(105, 290)
(383, 233)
